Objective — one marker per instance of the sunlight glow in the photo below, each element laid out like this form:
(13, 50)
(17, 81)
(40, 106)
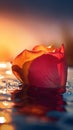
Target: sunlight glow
(3, 65)
(1, 76)
(2, 120)
(6, 127)
(8, 72)
(5, 103)
(49, 46)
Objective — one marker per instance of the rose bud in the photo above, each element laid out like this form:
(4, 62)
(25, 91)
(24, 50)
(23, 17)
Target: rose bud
(41, 67)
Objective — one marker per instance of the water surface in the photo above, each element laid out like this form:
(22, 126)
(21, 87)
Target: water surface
(34, 109)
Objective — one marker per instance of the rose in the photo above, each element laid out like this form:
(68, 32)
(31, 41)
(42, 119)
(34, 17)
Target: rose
(41, 67)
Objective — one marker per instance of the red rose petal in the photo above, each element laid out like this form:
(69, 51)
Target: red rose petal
(41, 67)
(43, 72)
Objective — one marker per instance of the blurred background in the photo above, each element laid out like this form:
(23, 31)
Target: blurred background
(26, 23)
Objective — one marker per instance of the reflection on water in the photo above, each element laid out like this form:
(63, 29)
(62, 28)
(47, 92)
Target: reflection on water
(34, 108)
(38, 102)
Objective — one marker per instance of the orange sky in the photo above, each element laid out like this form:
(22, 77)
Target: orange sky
(18, 33)
(13, 36)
